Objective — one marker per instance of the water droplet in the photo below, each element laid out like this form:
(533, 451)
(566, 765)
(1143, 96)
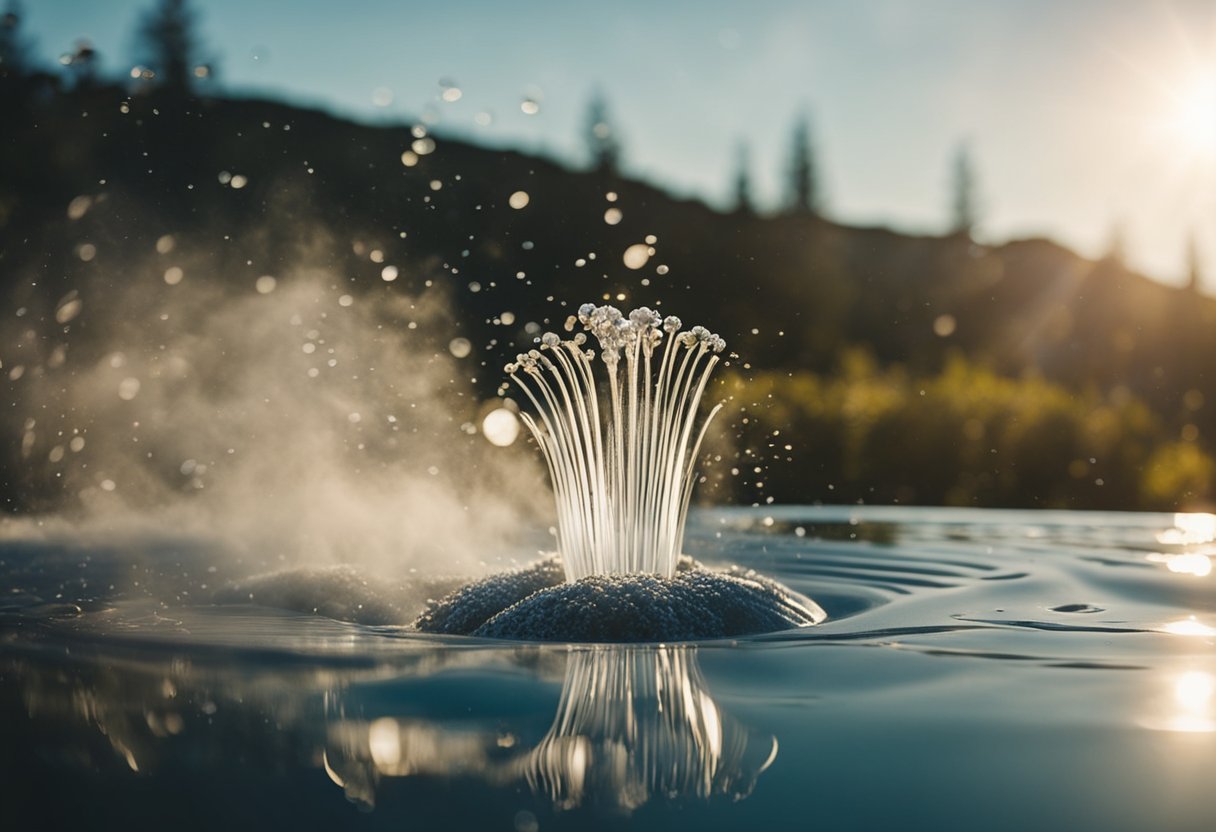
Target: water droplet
(636, 255)
(500, 426)
(518, 200)
(79, 206)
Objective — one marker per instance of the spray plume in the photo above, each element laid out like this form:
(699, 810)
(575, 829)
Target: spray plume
(622, 468)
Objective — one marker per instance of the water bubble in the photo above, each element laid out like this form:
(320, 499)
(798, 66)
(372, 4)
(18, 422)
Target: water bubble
(423, 146)
(451, 94)
(507, 318)
(224, 177)
(636, 255)
(388, 274)
(460, 347)
(354, 418)
(238, 181)
(108, 485)
(409, 158)
(128, 388)
(611, 196)
(345, 300)
(86, 252)
(165, 244)
(944, 325)
(77, 444)
(529, 106)
(174, 275)
(500, 427)
(79, 206)
(309, 348)
(69, 307)
(518, 200)
(662, 270)
(436, 185)
(265, 284)
(483, 119)
(613, 216)
(376, 256)
(382, 96)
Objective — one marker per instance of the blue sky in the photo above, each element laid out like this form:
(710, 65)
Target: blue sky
(1080, 113)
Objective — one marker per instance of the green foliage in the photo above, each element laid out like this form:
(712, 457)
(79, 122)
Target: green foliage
(963, 436)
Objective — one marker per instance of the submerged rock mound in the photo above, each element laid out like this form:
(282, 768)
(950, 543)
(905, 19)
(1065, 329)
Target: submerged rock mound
(535, 604)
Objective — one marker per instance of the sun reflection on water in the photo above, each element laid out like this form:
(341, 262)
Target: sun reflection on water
(1190, 529)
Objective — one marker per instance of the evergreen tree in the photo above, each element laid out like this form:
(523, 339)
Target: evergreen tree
(82, 63)
(603, 145)
(14, 49)
(964, 205)
(743, 181)
(803, 194)
(1116, 247)
(1194, 274)
(168, 34)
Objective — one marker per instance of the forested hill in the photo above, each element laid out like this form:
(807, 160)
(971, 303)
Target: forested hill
(789, 292)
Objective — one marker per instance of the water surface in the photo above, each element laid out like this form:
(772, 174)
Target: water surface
(980, 669)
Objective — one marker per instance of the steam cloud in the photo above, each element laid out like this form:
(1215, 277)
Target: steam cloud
(295, 420)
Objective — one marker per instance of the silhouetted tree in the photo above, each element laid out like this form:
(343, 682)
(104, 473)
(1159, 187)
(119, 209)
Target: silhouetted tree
(14, 49)
(1116, 246)
(82, 64)
(168, 34)
(963, 202)
(1194, 274)
(603, 146)
(743, 180)
(803, 196)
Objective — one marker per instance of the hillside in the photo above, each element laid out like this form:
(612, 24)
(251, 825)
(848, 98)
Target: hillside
(789, 293)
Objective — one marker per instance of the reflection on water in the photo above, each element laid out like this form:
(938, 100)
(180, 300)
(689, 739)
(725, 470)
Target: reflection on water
(1190, 707)
(632, 724)
(635, 723)
(1189, 529)
(971, 658)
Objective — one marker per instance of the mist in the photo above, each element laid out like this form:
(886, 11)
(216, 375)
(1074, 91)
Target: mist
(294, 419)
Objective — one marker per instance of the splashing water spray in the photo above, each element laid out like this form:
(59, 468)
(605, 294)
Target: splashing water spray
(622, 470)
(621, 459)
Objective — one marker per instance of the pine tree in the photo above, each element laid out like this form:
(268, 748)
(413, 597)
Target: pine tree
(168, 34)
(603, 146)
(743, 180)
(14, 50)
(964, 207)
(803, 197)
(1194, 274)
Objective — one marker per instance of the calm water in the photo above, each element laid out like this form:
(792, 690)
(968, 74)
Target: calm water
(981, 669)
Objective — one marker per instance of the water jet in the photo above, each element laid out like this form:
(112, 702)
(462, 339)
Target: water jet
(621, 455)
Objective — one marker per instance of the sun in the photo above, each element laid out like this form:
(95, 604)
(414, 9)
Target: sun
(1194, 121)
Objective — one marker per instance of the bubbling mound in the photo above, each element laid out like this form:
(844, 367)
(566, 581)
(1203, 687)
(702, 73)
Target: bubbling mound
(696, 603)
